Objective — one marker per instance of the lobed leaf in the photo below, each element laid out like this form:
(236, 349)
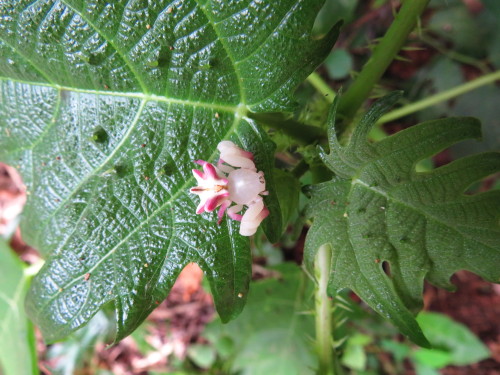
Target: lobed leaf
(103, 107)
(391, 227)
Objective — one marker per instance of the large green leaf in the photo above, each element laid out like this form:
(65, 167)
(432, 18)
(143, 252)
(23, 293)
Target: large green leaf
(379, 213)
(103, 107)
(17, 336)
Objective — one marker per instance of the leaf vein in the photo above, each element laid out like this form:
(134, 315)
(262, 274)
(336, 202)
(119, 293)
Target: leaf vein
(135, 95)
(181, 190)
(29, 61)
(120, 53)
(226, 48)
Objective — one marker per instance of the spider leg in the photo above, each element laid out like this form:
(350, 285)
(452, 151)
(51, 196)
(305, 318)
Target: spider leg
(223, 167)
(223, 207)
(235, 156)
(239, 161)
(253, 216)
(233, 212)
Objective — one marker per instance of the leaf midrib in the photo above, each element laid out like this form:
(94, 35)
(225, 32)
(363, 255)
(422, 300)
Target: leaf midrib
(415, 209)
(172, 198)
(225, 46)
(375, 291)
(131, 67)
(240, 108)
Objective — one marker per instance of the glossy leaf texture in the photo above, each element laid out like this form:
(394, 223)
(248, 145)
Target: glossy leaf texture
(103, 107)
(391, 227)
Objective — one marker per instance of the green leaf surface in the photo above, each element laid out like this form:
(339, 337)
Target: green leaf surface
(433, 358)
(103, 107)
(392, 227)
(272, 335)
(17, 336)
(453, 338)
(202, 355)
(422, 369)
(354, 355)
(288, 190)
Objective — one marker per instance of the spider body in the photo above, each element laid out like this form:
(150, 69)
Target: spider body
(234, 180)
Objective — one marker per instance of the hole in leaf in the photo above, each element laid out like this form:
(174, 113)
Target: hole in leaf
(95, 59)
(208, 64)
(100, 135)
(386, 267)
(424, 165)
(488, 183)
(163, 56)
(121, 170)
(166, 170)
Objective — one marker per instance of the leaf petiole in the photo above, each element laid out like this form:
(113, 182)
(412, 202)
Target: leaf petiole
(440, 97)
(321, 86)
(383, 54)
(328, 361)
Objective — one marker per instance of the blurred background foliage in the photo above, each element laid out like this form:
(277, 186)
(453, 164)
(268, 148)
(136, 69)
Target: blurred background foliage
(457, 41)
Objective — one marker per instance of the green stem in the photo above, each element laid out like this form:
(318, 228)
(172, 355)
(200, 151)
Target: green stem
(319, 84)
(300, 169)
(453, 55)
(302, 133)
(441, 97)
(33, 269)
(383, 54)
(328, 363)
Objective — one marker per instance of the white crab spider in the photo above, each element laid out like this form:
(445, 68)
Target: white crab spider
(235, 179)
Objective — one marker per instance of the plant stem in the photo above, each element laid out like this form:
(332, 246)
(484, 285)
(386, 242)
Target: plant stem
(33, 269)
(440, 97)
(383, 54)
(328, 363)
(453, 55)
(319, 84)
(301, 168)
(304, 134)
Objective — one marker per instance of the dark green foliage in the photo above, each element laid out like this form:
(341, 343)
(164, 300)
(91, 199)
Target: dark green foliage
(103, 107)
(390, 227)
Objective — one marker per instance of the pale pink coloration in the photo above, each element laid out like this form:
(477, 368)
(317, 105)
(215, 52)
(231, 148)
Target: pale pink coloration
(225, 184)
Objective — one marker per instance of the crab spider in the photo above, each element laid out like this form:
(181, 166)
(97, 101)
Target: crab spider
(234, 180)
